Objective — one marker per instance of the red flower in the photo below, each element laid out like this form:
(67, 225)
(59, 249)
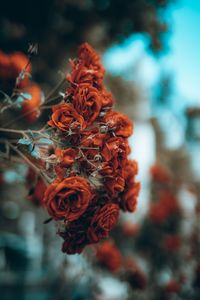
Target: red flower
(12, 64)
(36, 187)
(161, 210)
(109, 256)
(134, 275)
(119, 123)
(81, 74)
(87, 102)
(102, 222)
(66, 119)
(172, 242)
(19, 62)
(128, 198)
(75, 238)
(68, 199)
(131, 170)
(90, 157)
(31, 177)
(88, 68)
(114, 185)
(31, 107)
(172, 287)
(1, 179)
(66, 157)
(37, 194)
(114, 154)
(159, 173)
(5, 66)
(92, 139)
(107, 99)
(130, 229)
(88, 56)
(116, 150)
(99, 151)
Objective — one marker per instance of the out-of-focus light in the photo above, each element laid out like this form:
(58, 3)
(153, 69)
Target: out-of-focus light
(183, 59)
(112, 288)
(132, 60)
(144, 151)
(119, 57)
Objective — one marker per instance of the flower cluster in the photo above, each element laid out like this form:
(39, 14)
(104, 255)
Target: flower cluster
(134, 275)
(160, 174)
(11, 66)
(109, 256)
(36, 187)
(167, 206)
(15, 69)
(93, 177)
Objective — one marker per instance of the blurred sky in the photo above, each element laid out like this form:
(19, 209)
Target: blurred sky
(182, 60)
(184, 57)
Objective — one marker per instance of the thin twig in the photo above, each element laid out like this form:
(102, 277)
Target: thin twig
(29, 163)
(34, 109)
(48, 97)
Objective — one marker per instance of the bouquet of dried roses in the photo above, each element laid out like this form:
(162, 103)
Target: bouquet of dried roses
(94, 178)
(83, 157)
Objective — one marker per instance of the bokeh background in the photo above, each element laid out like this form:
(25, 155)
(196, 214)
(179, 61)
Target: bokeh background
(150, 49)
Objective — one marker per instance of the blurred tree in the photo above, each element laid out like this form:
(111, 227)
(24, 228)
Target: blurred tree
(61, 25)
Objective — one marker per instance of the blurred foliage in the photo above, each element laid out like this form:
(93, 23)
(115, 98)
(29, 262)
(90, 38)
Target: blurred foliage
(59, 26)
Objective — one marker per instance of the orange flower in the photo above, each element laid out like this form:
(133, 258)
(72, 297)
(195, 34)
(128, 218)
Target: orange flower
(75, 238)
(90, 150)
(128, 199)
(68, 199)
(161, 210)
(66, 157)
(99, 149)
(37, 195)
(12, 64)
(119, 123)
(109, 256)
(5, 68)
(66, 119)
(131, 170)
(93, 138)
(134, 275)
(130, 229)
(107, 99)
(88, 68)
(31, 108)
(81, 74)
(102, 222)
(87, 102)
(19, 62)
(158, 213)
(88, 56)
(114, 154)
(114, 185)
(159, 173)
